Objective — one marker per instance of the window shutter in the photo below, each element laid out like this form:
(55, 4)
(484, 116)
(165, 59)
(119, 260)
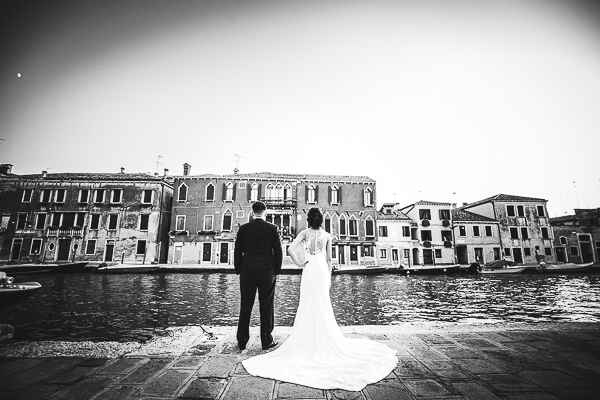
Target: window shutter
(234, 187)
(306, 194)
(316, 194)
(224, 194)
(259, 190)
(339, 191)
(364, 197)
(249, 192)
(328, 194)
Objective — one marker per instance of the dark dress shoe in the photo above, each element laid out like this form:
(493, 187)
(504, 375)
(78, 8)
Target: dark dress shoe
(270, 346)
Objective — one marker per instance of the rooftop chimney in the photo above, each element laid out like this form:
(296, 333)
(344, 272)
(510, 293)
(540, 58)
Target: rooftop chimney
(44, 173)
(186, 169)
(5, 169)
(166, 171)
(122, 170)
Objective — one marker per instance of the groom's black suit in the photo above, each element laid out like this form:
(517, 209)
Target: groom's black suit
(257, 259)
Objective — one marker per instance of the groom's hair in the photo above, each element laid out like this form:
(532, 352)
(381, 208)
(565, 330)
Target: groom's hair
(259, 207)
(315, 218)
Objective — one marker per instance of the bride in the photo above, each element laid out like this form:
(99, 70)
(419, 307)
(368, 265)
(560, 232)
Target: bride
(316, 353)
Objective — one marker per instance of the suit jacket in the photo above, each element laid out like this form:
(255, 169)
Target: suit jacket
(257, 246)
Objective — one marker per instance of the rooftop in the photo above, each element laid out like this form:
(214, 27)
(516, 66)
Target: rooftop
(459, 215)
(291, 177)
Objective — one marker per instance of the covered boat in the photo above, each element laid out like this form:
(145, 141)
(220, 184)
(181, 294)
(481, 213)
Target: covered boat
(564, 268)
(127, 269)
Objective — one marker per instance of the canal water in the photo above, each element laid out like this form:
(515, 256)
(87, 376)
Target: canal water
(135, 307)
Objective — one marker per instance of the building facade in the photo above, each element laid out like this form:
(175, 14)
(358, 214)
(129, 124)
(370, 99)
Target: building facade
(431, 235)
(525, 233)
(577, 237)
(476, 238)
(394, 237)
(104, 217)
(209, 209)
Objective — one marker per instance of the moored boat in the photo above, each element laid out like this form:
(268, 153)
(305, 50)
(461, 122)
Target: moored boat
(127, 269)
(12, 293)
(431, 269)
(27, 268)
(70, 267)
(564, 268)
(510, 269)
(367, 270)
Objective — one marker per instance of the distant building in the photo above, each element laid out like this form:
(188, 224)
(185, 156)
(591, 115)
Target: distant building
(99, 217)
(577, 237)
(431, 234)
(525, 231)
(394, 238)
(208, 210)
(476, 238)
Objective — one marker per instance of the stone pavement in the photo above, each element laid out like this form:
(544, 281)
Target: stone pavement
(443, 361)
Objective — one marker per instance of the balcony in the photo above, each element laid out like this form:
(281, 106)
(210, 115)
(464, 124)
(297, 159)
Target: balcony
(73, 232)
(279, 202)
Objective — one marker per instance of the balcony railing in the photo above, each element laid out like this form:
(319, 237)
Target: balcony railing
(64, 232)
(279, 202)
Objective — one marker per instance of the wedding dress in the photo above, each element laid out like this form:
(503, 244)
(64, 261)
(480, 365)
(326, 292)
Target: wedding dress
(316, 353)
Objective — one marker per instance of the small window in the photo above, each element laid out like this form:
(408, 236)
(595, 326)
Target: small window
(438, 253)
(462, 231)
(36, 247)
(446, 236)
(46, 195)
(496, 253)
(239, 213)
(527, 251)
(585, 238)
(514, 233)
(254, 192)
(510, 211)
(227, 221)
(208, 222)
(406, 231)
(342, 227)
(242, 185)
(540, 210)
(210, 192)
(352, 227)
(141, 248)
(382, 253)
(116, 196)
(99, 195)
(545, 233)
(27, 194)
(84, 196)
(367, 251)
(524, 233)
(90, 247)
(548, 251)
(334, 195)
(147, 196)
(370, 227)
(476, 232)
(426, 235)
(60, 195)
(520, 211)
(229, 192)
(311, 195)
(40, 222)
(507, 252)
(444, 214)
(368, 194)
(574, 250)
(406, 253)
(562, 240)
(328, 225)
(383, 231)
(94, 221)
(79, 220)
(424, 214)
(144, 222)
(180, 223)
(182, 192)
(112, 222)
(21, 221)
(488, 231)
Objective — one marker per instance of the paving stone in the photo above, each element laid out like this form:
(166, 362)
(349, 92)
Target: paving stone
(586, 374)
(41, 372)
(533, 396)
(202, 388)
(479, 366)
(121, 366)
(167, 383)
(189, 362)
(495, 337)
(376, 336)
(427, 388)
(583, 394)
(36, 392)
(94, 362)
(16, 365)
(249, 388)
(521, 336)
(200, 349)
(293, 391)
(240, 369)
(339, 394)
(547, 346)
(409, 367)
(229, 348)
(83, 390)
(474, 391)
(446, 370)
(510, 359)
(145, 371)
(71, 375)
(477, 343)
(115, 393)
(508, 383)
(435, 339)
(455, 352)
(217, 367)
(388, 390)
(424, 352)
(551, 379)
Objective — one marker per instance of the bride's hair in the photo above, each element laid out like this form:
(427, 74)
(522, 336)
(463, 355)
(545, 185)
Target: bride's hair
(315, 218)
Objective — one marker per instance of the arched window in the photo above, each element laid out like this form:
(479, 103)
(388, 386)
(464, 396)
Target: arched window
(311, 194)
(563, 240)
(182, 192)
(254, 192)
(334, 195)
(287, 192)
(227, 216)
(278, 192)
(368, 197)
(269, 192)
(342, 226)
(229, 192)
(369, 226)
(210, 192)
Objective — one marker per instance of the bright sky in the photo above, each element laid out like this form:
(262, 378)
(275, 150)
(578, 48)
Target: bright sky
(448, 101)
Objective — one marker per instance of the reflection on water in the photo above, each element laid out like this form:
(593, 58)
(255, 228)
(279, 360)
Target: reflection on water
(132, 307)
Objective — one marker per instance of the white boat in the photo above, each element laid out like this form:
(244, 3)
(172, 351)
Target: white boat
(127, 269)
(505, 270)
(564, 268)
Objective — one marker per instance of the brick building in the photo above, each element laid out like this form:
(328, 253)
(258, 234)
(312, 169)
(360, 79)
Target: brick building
(208, 210)
(92, 217)
(577, 237)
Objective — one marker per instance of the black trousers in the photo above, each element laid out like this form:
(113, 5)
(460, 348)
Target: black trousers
(250, 281)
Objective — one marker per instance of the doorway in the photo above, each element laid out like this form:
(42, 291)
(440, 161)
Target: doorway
(587, 254)
(224, 253)
(394, 256)
(178, 254)
(64, 247)
(342, 257)
(462, 255)
(517, 255)
(206, 252)
(561, 255)
(15, 251)
(427, 256)
(416, 259)
(479, 255)
(109, 251)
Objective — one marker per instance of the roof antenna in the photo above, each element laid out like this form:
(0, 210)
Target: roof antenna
(157, 162)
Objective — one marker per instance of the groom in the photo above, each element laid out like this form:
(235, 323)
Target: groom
(257, 260)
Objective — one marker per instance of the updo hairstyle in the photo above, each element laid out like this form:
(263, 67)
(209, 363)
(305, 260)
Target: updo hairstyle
(315, 218)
